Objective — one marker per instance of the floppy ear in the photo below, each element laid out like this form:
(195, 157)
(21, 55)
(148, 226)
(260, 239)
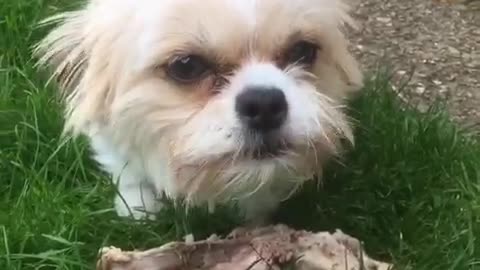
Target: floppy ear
(344, 61)
(349, 70)
(342, 72)
(64, 49)
(76, 50)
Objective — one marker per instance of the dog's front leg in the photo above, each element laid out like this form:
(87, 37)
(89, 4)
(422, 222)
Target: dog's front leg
(136, 197)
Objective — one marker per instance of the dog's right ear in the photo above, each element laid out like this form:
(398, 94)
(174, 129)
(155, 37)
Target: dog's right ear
(80, 49)
(64, 49)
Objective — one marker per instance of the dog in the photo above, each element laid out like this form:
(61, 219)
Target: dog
(209, 101)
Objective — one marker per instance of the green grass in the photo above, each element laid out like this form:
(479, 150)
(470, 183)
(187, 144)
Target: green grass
(410, 189)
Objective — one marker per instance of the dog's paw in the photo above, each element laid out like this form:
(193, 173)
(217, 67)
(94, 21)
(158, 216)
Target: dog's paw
(146, 210)
(136, 213)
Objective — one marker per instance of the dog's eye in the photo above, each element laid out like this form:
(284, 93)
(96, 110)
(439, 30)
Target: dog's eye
(187, 69)
(303, 52)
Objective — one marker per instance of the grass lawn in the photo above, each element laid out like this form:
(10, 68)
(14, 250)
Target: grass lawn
(410, 189)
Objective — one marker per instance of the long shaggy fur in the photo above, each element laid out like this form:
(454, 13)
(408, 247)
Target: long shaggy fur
(156, 136)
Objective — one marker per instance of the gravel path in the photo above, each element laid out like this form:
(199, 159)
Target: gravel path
(439, 39)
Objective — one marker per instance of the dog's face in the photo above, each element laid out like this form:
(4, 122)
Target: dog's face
(233, 92)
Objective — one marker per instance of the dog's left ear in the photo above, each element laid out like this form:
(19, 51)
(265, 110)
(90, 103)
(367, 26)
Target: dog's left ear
(349, 70)
(344, 75)
(345, 62)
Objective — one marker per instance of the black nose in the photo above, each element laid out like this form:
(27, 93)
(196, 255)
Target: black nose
(262, 109)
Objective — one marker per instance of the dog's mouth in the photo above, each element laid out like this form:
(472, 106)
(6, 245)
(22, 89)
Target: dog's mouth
(262, 147)
(268, 151)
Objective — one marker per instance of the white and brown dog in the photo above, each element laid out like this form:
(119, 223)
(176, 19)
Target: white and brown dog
(210, 100)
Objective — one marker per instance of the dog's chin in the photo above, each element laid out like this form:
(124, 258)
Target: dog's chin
(240, 173)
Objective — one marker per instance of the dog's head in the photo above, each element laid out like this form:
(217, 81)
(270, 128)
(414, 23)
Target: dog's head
(233, 92)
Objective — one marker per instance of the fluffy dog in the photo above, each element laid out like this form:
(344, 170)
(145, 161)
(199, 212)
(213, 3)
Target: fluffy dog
(209, 101)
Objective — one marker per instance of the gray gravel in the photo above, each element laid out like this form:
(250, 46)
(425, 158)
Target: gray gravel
(439, 39)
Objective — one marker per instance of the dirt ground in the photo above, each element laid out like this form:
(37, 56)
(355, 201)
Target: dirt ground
(440, 40)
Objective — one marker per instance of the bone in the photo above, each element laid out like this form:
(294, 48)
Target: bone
(268, 248)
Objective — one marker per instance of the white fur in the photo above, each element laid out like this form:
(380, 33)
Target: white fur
(156, 137)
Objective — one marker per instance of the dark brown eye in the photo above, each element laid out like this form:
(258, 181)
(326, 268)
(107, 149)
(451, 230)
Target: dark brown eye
(302, 53)
(188, 69)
